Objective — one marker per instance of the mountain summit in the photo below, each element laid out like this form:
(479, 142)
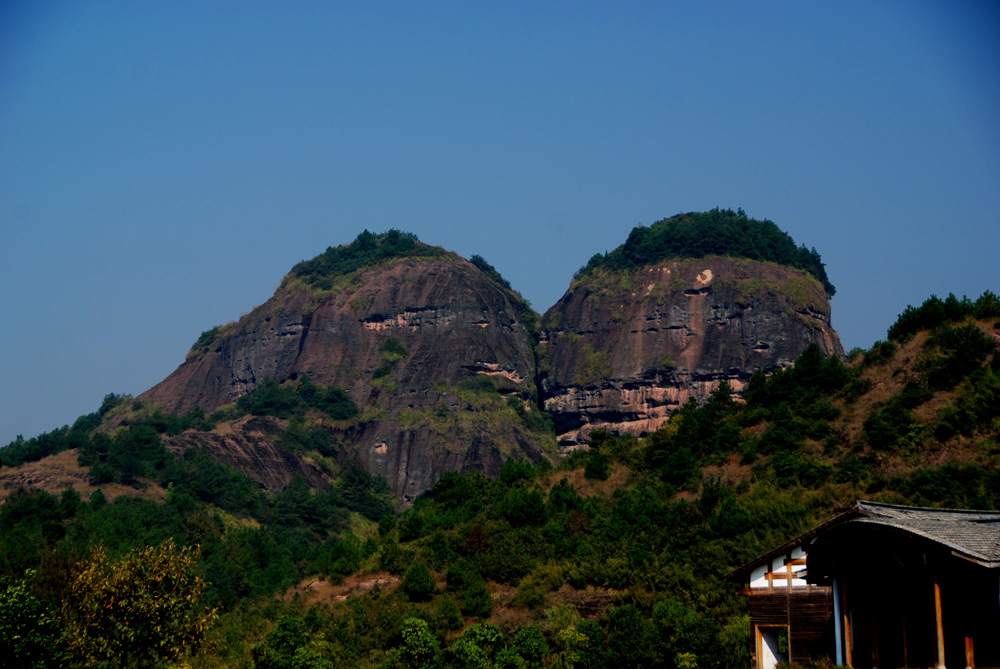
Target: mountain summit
(431, 349)
(414, 361)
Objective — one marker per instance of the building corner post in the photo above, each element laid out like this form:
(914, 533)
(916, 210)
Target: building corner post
(939, 621)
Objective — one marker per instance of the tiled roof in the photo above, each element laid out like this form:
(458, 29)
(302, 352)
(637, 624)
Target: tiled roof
(975, 534)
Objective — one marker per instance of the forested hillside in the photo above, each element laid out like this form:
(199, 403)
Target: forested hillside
(613, 557)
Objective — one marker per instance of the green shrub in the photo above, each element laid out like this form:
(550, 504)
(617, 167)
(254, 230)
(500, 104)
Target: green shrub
(530, 644)
(480, 383)
(477, 646)
(490, 271)
(880, 353)
(516, 471)
(597, 466)
(269, 399)
(521, 506)
(960, 351)
(420, 648)
(476, 599)
(418, 584)
(448, 616)
(29, 631)
(393, 349)
(206, 341)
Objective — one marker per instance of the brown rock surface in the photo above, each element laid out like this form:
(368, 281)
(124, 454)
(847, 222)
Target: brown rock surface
(621, 350)
(454, 322)
(251, 449)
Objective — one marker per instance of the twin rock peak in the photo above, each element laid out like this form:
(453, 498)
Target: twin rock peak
(450, 370)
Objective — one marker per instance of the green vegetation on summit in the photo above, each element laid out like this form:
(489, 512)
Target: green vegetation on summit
(490, 271)
(366, 251)
(936, 312)
(721, 232)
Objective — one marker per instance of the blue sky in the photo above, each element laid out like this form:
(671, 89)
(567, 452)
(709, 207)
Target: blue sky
(164, 164)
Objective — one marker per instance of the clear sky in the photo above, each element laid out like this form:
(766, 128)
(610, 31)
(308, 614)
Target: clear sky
(164, 164)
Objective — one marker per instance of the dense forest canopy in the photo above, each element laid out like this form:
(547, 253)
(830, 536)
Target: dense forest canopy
(367, 250)
(721, 232)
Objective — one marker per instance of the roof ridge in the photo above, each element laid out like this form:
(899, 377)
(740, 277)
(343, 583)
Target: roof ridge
(864, 504)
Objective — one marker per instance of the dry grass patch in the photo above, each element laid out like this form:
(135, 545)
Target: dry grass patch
(731, 472)
(60, 471)
(590, 602)
(320, 591)
(617, 477)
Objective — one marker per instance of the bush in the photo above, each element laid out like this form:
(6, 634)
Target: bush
(420, 649)
(962, 350)
(489, 270)
(521, 507)
(29, 632)
(448, 616)
(530, 644)
(476, 599)
(271, 399)
(418, 584)
(596, 467)
(880, 353)
(141, 608)
(477, 646)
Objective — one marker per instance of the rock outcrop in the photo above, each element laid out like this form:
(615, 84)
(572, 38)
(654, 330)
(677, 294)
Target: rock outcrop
(251, 447)
(622, 349)
(401, 338)
(434, 350)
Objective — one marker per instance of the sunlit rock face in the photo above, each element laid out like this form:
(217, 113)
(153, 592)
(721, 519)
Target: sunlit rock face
(251, 446)
(621, 350)
(453, 323)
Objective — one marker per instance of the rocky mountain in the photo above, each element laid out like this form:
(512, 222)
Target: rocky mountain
(431, 349)
(623, 348)
(438, 354)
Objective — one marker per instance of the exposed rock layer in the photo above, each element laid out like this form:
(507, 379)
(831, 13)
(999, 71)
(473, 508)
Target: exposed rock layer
(454, 323)
(621, 350)
(251, 448)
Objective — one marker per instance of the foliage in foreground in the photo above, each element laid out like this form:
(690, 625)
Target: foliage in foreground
(135, 610)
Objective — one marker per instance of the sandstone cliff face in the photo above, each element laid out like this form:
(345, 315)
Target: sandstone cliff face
(454, 323)
(621, 350)
(408, 338)
(251, 447)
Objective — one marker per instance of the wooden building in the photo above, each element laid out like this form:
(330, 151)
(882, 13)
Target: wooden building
(881, 586)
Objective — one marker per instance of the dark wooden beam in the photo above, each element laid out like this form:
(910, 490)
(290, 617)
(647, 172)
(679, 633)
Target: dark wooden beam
(848, 651)
(939, 622)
